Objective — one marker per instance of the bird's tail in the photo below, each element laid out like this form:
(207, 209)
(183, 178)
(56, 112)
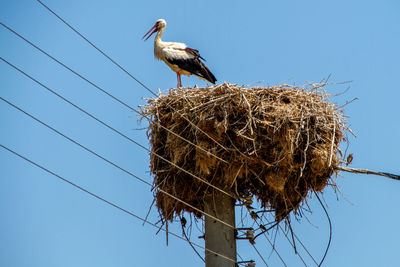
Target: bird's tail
(206, 74)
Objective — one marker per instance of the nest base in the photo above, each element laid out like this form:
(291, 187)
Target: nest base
(275, 144)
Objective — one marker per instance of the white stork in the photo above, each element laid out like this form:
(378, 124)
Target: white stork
(179, 57)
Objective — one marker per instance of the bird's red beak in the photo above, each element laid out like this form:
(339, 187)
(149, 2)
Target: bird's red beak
(152, 30)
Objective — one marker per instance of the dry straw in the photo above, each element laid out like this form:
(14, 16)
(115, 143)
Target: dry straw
(278, 143)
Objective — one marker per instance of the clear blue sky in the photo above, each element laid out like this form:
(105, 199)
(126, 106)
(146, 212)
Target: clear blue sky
(45, 222)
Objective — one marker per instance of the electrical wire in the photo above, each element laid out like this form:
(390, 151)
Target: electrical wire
(33, 79)
(104, 91)
(114, 62)
(112, 163)
(109, 202)
(301, 243)
(273, 247)
(290, 242)
(259, 254)
(125, 71)
(115, 165)
(116, 131)
(98, 49)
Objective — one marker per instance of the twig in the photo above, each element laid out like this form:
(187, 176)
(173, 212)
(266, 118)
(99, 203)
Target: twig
(147, 215)
(190, 243)
(330, 228)
(333, 141)
(365, 171)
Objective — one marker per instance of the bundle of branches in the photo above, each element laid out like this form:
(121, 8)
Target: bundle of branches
(275, 144)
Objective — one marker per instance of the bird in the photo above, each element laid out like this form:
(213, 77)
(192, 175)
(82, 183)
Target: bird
(349, 159)
(178, 56)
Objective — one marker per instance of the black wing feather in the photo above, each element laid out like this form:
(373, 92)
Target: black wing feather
(193, 65)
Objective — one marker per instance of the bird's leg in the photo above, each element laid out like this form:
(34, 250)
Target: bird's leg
(178, 76)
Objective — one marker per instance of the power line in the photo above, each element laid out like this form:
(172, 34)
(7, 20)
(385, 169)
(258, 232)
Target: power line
(128, 73)
(124, 70)
(109, 202)
(396, 177)
(100, 122)
(301, 243)
(116, 131)
(290, 242)
(65, 66)
(126, 138)
(95, 47)
(273, 247)
(104, 91)
(120, 168)
(259, 254)
(112, 163)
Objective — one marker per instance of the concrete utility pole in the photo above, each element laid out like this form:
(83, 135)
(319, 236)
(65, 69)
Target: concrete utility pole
(219, 237)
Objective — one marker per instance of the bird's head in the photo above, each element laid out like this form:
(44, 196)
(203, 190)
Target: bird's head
(160, 24)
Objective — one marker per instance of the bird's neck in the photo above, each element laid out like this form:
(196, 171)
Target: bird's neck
(158, 36)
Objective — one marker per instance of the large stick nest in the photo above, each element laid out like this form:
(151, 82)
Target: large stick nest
(275, 144)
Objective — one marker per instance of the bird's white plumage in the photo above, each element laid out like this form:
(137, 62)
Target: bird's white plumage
(180, 58)
(170, 50)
